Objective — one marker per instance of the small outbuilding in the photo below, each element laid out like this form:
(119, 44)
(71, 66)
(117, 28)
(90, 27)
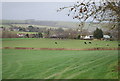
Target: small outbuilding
(88, 37)
(106, 37)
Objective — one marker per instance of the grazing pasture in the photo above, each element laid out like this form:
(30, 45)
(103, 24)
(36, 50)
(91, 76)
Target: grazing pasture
(58, 64)
(27, 32)
(35, 64)
(50, 43)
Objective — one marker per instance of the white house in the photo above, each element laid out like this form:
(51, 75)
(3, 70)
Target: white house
(88, 37)
(106, 36)
(21, 35)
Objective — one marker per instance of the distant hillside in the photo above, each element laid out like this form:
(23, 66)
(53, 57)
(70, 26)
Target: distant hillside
(42, 23)
(90, 26)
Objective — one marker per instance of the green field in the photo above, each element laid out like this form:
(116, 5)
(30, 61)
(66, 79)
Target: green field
(27, 32)
(27, 25)
(27, 64)
(50, 43)
(56, 64)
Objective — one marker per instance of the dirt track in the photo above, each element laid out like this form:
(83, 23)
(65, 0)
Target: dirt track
(28, 48)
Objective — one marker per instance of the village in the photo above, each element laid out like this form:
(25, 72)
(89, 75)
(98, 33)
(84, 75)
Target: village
(58, 33)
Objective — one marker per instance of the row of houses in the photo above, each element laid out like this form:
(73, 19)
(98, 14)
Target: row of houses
(105, 37)
(61, 36)
(87, 37)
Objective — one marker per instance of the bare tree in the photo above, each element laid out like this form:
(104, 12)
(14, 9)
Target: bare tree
(100, 11)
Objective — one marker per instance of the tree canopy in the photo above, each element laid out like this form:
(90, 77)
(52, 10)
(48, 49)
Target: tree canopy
(106, 11)
(98, 33)
(103, 10)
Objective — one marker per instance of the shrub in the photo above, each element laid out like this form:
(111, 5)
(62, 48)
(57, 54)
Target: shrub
(98, 33)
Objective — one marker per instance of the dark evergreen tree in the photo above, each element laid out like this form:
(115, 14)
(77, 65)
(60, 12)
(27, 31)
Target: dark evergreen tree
(27, 35)
(78, 37)
(31, 28)
(98, 33)
(40, 35)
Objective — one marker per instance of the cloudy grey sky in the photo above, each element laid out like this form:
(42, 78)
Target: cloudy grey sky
(35, 10)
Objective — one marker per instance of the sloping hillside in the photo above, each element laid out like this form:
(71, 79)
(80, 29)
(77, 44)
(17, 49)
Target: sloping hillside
(90, 26)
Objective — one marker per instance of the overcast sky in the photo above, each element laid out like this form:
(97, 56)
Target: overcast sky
(35, 10)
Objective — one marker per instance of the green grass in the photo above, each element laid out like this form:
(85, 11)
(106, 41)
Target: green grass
(26, 25)
(16, 32)
(49, 64)
(27, 32)
(33, 64)
(50, 43)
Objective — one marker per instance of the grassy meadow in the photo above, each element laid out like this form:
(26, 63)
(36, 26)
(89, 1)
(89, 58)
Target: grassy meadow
(50, 43)
(29, 64)
(58, 64)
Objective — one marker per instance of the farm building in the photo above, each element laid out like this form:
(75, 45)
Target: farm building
(58, 36)
(106, 37)
(21, 35)
(88, 37)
